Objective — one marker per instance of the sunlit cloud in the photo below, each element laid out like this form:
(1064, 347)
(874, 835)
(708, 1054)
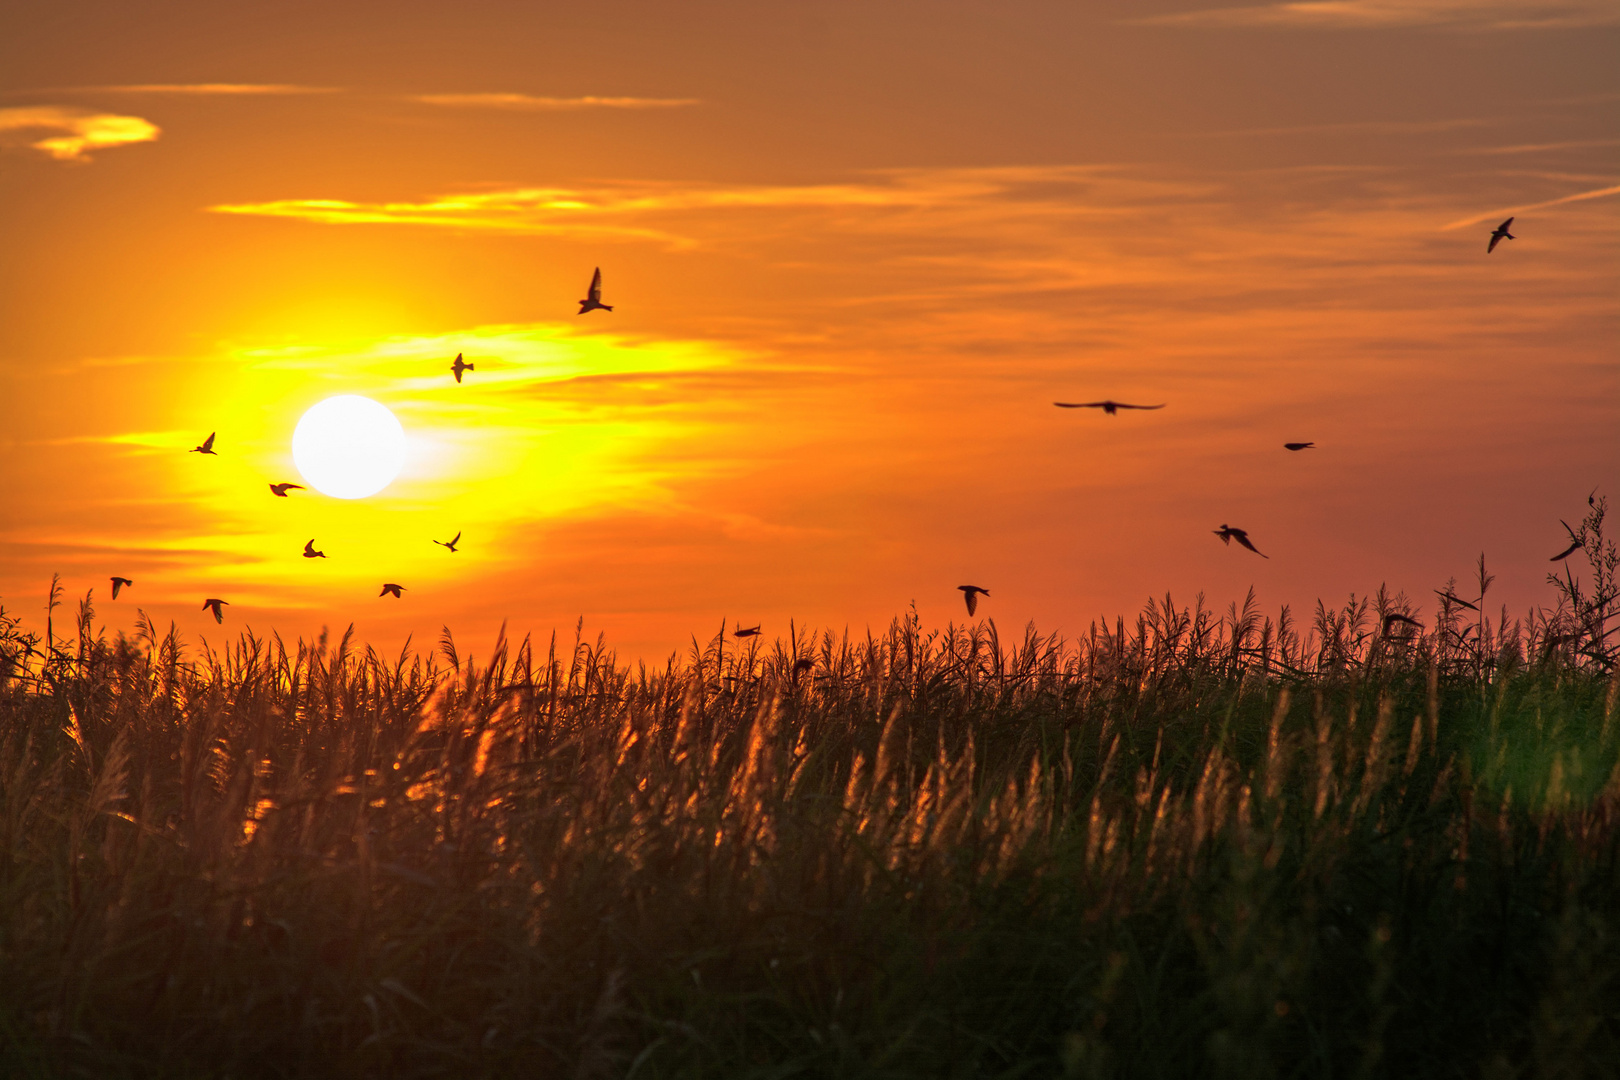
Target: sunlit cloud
(1538, 148)
(81, 131)
(1379, 14)
(216, 89)
(1357, 127)
(550, 104)
(1581, 196)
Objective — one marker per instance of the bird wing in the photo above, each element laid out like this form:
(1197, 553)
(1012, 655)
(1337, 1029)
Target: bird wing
(1567, 552)
(1080, 404)
(208, 443)
(972, 599)
(456, 539)
(1505, 225)
(117, 583)
(1243, 538)
(1496, 238)
(595, 292)
(309, 548)
(1122, 405)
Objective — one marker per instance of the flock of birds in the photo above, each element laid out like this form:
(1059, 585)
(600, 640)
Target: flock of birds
(970, 593)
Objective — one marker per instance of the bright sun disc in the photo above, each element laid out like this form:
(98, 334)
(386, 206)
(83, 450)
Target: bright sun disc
(348, 447)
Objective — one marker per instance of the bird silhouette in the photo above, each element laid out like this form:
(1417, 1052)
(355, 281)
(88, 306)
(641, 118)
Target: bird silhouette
(593, 297)
(746, 631)
(1299, 446)
(207, 446)
(1228, 534)
(280, 490)
(310, 552)
(1392, 618)
(219, 616)
(1500, 233)
(1567, 552)
(971, 594)
(392, 588)
(1109, 407)
(119, 583)
(451, 544)
(458, 367)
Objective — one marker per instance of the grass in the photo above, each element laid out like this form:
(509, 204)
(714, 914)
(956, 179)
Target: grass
(1201, 844)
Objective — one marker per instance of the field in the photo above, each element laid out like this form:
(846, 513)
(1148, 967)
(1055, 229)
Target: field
(1196, 844)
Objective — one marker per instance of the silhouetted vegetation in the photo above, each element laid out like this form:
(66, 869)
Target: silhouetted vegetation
(1201, 844)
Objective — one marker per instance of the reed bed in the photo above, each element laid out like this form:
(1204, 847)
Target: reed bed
(1200, 844)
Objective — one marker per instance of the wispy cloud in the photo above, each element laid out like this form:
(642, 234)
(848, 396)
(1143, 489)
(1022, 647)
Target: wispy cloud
(550, 104)
(79, 131)
(620, 209)
(1580, 196)
(1379, 14)
(1537, 148)
(215, 89)
(1367, 127)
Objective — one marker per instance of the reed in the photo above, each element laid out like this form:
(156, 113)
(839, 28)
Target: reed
(1201, 843)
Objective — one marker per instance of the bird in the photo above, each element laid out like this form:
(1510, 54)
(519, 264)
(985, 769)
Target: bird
(1299, 446)
(746, 631)
(971, 594)
(451, 544)
(1109, 407)
(392, 588)
(280, 490)
(1498, 233)
(207, 446)
(1392, 618)
(310, 552)
(219, 616)
(1567, 552)
(593, 298)
(119, 583)
(1228, 534)
(458, 367)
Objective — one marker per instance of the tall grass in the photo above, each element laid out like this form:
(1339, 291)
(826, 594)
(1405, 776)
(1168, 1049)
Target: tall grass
(1199, 844)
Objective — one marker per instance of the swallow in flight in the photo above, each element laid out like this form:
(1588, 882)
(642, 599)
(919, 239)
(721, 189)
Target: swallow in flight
(593, 298)
(207, 447)
(971, 594)
(1455, 599)
(458, 367)
(119, 583)
(1500, 233)
(394, 589)
(454, 540)
(1392, 618)
(1229, 534)
(1109, 407)
(746, 631)
(311, 553)
(280, 490)
(1299, 446)
(219, 616)
(1576, 543)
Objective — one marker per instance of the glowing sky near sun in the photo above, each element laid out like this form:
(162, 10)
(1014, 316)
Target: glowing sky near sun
(854, 253)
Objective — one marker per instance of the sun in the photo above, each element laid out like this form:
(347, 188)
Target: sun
(348, 446)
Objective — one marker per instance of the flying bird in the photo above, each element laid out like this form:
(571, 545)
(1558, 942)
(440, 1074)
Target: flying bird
(1228, 534)
(451, 544)
(971, 594)
(219, 616)
(119, 583)
(1567, 552)
(280, 490)
(1392, 618)
(1498, 234)
(1109, 407)
(1299, 446)
(458, 367)
(310, 552)
(207, 446)
(392, 588)
(593, 298)
(746, 631)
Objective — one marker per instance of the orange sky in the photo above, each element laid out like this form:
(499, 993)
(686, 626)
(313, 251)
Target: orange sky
(855, 251)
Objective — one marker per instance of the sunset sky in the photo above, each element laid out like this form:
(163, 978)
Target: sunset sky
(855, 251)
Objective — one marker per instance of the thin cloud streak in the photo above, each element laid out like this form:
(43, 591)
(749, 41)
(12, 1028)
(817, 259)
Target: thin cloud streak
(214, 89)
(82, 131)
(1370, 127)
(1578, 197)
(527, 102)
(1397, 14)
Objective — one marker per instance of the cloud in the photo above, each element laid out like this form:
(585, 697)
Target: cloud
(619, 209)
(1382, 14)
(82, 130)
(215, 89)
(550, 104)
(1581, 196)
